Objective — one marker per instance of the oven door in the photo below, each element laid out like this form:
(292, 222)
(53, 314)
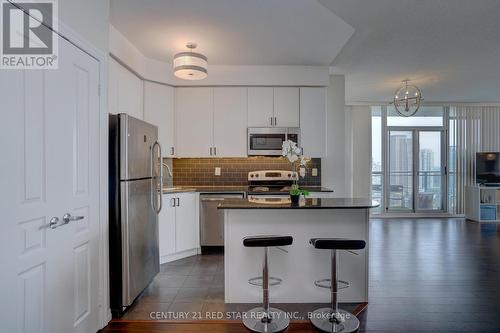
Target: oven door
(268, 141)
(270, 199)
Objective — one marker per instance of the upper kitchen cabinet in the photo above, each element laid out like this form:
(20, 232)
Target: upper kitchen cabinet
(230, 122)
(273, 107)
(260, 107)
(194, 121)
(313, 121)
(286, 107)
(125, 91)
(159, 110)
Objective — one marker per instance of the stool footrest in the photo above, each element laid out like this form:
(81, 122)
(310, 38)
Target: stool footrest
(257, 281)
(327, 283)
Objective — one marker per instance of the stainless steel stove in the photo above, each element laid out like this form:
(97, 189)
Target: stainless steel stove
(270, 183)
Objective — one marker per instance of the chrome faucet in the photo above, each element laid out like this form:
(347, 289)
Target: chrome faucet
(168, 169)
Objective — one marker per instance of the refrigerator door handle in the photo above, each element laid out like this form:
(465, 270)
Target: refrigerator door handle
(154, 190)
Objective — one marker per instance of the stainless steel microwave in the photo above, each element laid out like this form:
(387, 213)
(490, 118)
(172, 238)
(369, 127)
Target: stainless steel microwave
(269, 140)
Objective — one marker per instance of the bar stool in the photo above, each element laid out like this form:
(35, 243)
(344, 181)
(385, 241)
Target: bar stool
(333, 319)
(266, 319)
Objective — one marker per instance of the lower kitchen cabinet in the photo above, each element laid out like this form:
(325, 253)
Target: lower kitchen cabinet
(179, 226)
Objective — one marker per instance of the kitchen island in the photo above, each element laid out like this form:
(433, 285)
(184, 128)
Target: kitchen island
(302, 265)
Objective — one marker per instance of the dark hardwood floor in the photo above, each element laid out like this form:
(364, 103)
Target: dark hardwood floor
(426, 275)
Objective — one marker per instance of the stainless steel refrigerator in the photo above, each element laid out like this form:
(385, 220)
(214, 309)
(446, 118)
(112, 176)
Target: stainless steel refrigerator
(135, 179)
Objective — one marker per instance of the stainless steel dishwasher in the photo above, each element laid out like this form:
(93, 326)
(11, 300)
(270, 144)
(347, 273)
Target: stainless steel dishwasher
(212, 219)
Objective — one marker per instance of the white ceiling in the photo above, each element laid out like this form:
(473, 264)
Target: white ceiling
(234, 32)
(450, 48)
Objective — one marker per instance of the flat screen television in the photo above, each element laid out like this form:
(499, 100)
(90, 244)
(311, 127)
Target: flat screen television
(488, 168)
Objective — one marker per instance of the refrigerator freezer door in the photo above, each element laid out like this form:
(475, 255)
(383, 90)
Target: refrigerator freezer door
(140, 252)
(136, 139)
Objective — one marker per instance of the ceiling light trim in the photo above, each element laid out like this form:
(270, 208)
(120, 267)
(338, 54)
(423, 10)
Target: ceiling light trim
(191, 54)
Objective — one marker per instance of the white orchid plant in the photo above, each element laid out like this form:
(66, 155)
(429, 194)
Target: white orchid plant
(293, 153)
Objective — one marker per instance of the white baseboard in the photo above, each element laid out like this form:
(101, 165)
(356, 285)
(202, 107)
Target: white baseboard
(179, 255)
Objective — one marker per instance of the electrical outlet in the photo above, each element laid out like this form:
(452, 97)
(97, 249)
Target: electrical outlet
(217, 171)
(315, 172)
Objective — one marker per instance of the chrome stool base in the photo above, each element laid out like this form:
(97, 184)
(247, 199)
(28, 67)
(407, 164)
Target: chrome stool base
(320, 318)
(252, 319)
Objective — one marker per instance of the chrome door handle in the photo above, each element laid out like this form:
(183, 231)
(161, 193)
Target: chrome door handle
(178, 202)
(53, 223)
(172, 202)
(67, 218)
(275, 121)
(172, 151)
(272, 121)
(215, 151)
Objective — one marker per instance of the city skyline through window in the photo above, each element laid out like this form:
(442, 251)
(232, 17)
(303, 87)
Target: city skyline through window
(414, 176)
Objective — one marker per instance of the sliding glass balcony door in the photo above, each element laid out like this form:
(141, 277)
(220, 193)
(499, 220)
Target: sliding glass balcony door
(431, 171)
(415, 169)
(399, 190)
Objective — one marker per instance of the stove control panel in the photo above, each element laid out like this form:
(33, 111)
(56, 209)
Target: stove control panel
(267, 175)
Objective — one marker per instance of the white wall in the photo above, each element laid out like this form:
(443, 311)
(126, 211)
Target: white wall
(333, 166)
(161, 71)
(89, 18)
(359, 152)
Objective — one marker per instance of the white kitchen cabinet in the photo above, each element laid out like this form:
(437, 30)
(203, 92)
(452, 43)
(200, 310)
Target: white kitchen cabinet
(194, 121)
(186, 222)
(230, 122)
(159, 110)
(273, 107)
(260, 106)
(313, 121)
(166, 226)
(178, 229)
(125, 91)
(286, 107)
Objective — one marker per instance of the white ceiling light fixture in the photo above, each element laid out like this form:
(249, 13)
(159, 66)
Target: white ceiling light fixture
(407, 99)
(190, 65)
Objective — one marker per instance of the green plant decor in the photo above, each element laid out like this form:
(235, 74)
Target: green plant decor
(293, 153)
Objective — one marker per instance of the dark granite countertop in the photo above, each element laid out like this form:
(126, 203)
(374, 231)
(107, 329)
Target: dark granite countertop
(309, 203)
(230, 189)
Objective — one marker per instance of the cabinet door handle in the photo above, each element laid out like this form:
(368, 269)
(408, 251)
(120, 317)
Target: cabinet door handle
(275, 121)
(272, 121)
(172, 151)
(215, 151)
(172, 202)
(178, 202)
(210, 151)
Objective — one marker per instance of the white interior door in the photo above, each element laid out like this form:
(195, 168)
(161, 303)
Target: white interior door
(50, 275)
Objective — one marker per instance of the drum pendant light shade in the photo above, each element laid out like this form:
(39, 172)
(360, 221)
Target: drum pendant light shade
(190, 65)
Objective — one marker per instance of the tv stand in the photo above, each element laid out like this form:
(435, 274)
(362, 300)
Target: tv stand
(482, 203)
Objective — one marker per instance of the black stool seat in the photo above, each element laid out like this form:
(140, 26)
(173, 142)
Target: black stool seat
(338, 243)
(267, 241)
